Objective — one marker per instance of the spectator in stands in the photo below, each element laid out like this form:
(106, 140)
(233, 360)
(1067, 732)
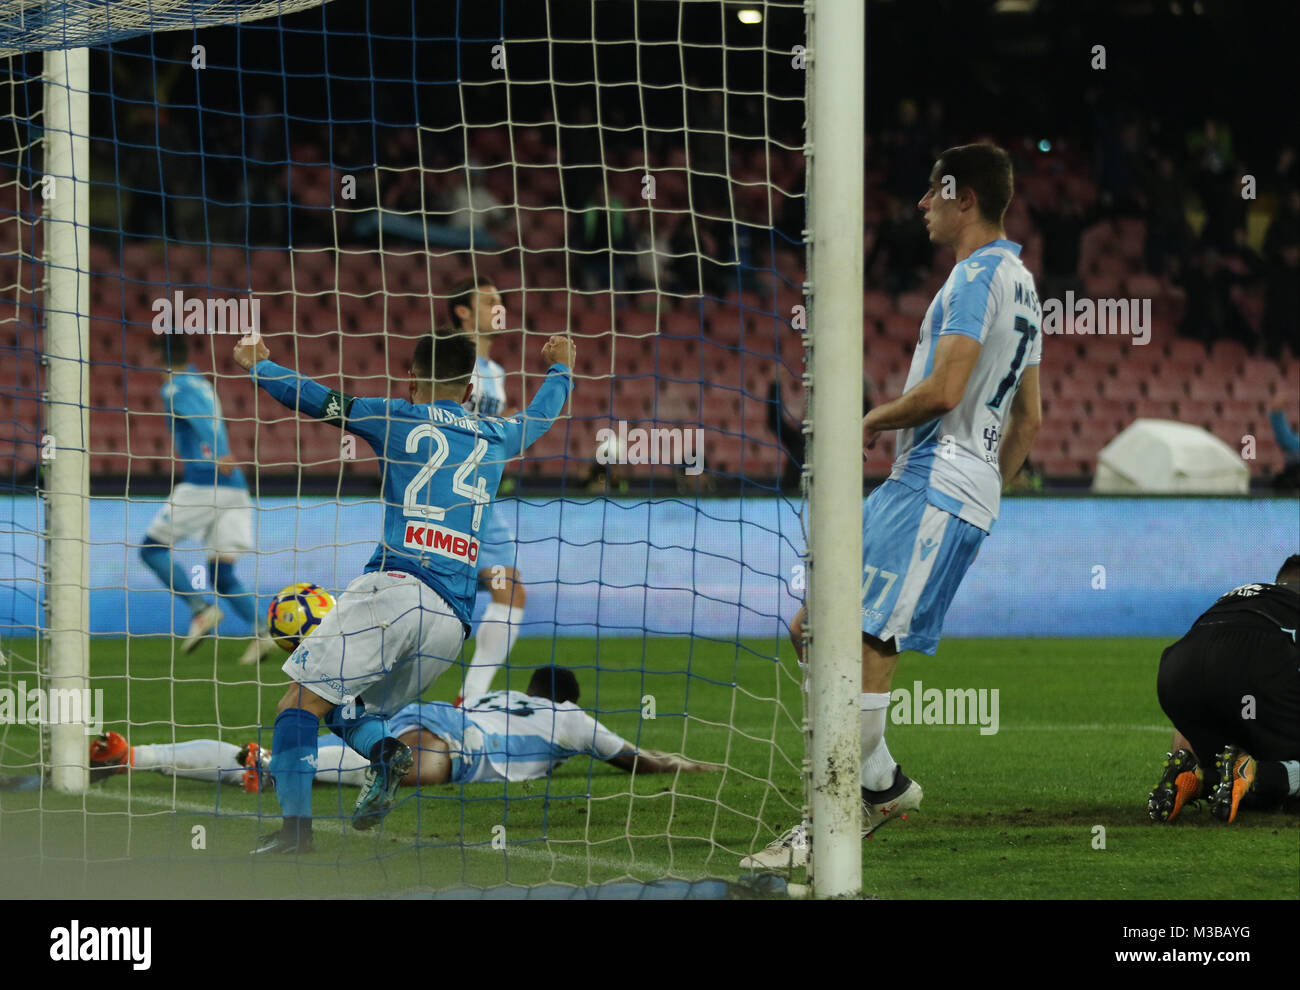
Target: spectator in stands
(1123, 169)
(1029, 479)
(265, 161)
(934, 119)
(789, 431)
(683, 258)
(697, 252)
(910, 150)
(470, 204)
(706, 149)
(1281, 272)
(648, 268)
(579, 150)
(904, 245)
(1225, 211)
(1211, 149)
(1284, 175)
(1168, 235)
(1210, 313)
(1062, 222)
(606, 479)
(603, 238)
(790, 222)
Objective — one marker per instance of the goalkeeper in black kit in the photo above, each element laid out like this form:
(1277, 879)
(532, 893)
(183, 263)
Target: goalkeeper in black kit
(1231, 687)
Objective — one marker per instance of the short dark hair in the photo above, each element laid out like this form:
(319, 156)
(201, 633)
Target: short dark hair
(173, 348)
(1289, 573)
(985, 169)
(462, 294)
(559, 684)
(449, 361)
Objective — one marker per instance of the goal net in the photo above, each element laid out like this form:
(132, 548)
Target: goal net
(629, 174)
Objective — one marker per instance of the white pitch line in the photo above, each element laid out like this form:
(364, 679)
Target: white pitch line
(330, 825)
(1090, 727)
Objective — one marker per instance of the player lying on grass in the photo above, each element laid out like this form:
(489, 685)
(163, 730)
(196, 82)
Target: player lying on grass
(1231, 687)
(967, 418)
(403, 622)
(498, 736)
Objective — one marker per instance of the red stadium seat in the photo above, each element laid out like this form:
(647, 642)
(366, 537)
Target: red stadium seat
(1228, 355)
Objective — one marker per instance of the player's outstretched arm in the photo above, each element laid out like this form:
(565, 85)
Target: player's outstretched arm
(290, 388)
(654, 761)
(931, 397)
(1023, 421)
(523, 430)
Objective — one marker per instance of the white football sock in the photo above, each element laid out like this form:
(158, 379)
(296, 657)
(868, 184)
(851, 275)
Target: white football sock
(199, 759)
(871, 735)
(495, 636)
(1292, 768)
(878, 768)
(340, 764)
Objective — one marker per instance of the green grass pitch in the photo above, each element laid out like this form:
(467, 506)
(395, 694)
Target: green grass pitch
(1015, 814)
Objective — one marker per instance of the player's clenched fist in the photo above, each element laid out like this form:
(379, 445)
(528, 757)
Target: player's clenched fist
(561, 350)
(250, 350)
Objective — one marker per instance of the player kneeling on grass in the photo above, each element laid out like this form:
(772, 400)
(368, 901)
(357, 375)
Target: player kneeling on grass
(1231, 687)
(966, 420)
(403, 622)
(498, 736)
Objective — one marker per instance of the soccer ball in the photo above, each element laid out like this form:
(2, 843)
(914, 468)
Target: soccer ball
(295, 612)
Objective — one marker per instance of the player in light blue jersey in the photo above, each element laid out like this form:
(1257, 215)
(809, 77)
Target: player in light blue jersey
(495, 737)
(402, 623)
(209, 504)
(475, 307)
(966, 420)
(516, 735)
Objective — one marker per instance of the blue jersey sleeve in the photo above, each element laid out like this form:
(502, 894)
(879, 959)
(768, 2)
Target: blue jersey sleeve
(969, 311)
(1286, 437)
(366, 417)
(193, 411)
(522, 430)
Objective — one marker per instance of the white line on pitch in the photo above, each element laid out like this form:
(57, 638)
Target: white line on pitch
(330, 825)
(1091, 727)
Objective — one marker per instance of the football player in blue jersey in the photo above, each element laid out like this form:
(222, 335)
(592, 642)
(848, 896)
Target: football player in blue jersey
(474, 307)
(966, 420)
(402, 623)
(209, 504)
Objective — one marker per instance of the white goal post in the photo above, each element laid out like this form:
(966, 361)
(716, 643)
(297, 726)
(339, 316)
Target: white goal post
(834, 469)
(67, 343)
(66, 189)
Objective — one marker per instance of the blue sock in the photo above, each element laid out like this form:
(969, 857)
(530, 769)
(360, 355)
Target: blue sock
(362, 733)
(158, 559)
(228, 587)
(293, 759)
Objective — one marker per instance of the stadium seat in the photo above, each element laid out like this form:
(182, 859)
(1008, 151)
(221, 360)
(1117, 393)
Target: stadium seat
(1166, 388)
(1228, 356)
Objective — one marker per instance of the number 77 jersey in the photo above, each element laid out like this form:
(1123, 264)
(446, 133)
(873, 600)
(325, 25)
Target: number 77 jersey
(991, 298)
